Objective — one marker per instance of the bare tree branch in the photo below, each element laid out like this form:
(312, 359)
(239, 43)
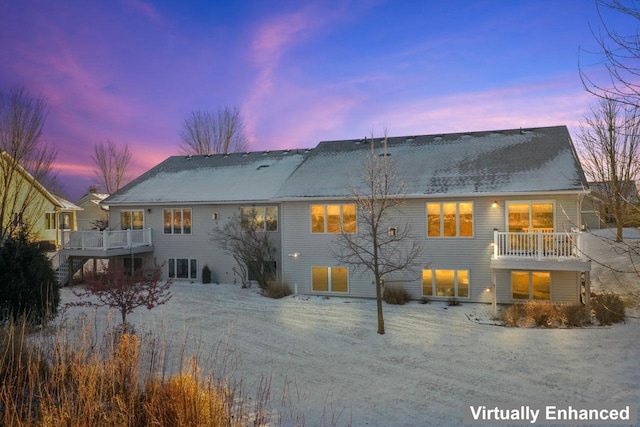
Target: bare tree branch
(22, 119)
(111, 164)
(374, 248)
(206, 133)
(619, 55)
(610, 141)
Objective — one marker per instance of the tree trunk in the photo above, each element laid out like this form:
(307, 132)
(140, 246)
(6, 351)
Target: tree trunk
(379, 303)
(618, 231)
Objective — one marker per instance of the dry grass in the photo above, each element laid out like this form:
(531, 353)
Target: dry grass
(109, 381)
(277, 290)
(608, 308)
(544, 314)
(395, 294)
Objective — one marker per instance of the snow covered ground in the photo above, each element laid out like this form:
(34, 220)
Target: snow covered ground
(433, 359)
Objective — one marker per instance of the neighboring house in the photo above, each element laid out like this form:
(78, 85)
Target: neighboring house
(496, 208)
(93, 214)
(596, 210)
(47, 213)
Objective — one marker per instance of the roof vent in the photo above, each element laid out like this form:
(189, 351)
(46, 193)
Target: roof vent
(262, 167)
(265, 153)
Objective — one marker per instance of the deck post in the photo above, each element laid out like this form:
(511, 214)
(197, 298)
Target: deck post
(105, 239)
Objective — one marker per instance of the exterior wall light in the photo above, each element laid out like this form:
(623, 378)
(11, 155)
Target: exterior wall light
(295, 255)
(494, 204)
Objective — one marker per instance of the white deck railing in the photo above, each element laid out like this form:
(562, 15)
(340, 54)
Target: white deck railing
(538, 245)
(105, 240)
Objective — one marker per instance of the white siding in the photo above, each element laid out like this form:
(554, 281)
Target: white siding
(460, 253)
(200, 243)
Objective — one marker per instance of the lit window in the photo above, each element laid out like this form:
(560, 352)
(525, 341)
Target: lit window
(453, 219)
(445, 283)
(531, 285)
(329, 279)
(132, 220)
(334, 219)
(177, 221)
(259, 218)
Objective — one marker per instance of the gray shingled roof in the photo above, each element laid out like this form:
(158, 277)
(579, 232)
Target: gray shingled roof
(531, 160)
(493, 162)
(237, 177)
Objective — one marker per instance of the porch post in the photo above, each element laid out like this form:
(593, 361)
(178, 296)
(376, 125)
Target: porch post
(105, 239)
(587, 296)
(539, 245)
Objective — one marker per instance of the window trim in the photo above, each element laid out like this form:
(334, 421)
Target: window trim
(326, 218)
(457, 217)
(455, 283)
(172, 221)
(530, 278)
(329, 280)
(172, 265)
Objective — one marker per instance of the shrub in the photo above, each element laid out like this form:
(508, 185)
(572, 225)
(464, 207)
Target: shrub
(544, 313)
(277, 290)
(206, 274)
(396, 295)
(574, 315)
(453, 302)
(28, 286)
(608, 308)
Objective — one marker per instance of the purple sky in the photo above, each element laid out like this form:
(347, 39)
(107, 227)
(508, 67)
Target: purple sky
(301, 72)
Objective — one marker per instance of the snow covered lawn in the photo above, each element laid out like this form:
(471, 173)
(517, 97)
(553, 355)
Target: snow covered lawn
(432, 360)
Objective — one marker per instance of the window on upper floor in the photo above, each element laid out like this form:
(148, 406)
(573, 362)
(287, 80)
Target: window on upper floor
(333, 219)
(450, 219)
(177, 221)
(129, 219)
(530, 217)
(259, 218)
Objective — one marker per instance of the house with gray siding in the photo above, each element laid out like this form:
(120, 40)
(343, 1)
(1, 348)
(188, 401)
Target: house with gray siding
(496, 211)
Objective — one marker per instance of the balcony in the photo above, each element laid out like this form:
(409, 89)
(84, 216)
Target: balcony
(96, 243)
(541, 249)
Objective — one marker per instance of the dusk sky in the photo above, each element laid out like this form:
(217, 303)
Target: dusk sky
(301, 72)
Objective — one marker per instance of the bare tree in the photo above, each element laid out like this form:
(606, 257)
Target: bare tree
(251, 247)
(610, 140)
(126, 291)
(206, 133)
(619, 54)
(111, 164)
(26, 161)
(382, 245)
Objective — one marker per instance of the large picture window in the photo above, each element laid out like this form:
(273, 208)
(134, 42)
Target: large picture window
(131, 219)
(531, 285)
(259, 218)
(329, 279)
(451, 219)
(183, 268)
(177, 221)
(333, 219)
(530, 217)
(445, 283)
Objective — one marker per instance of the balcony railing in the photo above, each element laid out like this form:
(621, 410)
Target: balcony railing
(105, 240)
(540, 245)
